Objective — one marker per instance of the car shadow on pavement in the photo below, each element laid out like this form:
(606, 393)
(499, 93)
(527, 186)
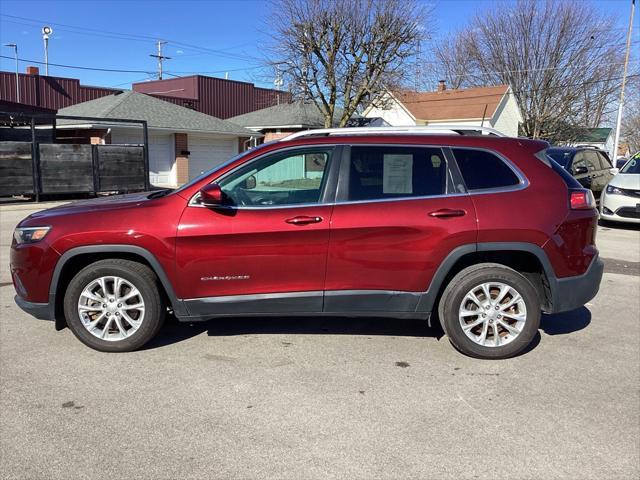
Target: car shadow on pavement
(567, 322)
(605, 225)
(175, 332)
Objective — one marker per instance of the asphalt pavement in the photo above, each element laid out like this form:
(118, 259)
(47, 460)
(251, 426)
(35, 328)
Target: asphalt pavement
(327, 398)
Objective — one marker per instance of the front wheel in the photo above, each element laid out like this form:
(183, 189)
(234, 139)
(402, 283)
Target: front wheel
(490, 311)
(114, 305)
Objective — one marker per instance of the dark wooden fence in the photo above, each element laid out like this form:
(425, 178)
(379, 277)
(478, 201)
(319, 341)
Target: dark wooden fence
(41, 166)
(16, 169)
(61, 168)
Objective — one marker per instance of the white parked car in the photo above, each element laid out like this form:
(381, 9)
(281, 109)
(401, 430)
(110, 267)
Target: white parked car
(620, 201)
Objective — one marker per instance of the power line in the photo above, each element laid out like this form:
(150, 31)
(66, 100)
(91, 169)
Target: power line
(149, 72)
(128, 36)
(581, 84)
(218, 71)
(542, 69)
(77, 67)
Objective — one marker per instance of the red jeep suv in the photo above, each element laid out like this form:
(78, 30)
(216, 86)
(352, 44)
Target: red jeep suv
(479, 232)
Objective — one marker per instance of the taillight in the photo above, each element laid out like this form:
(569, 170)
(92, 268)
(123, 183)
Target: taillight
(581, 199)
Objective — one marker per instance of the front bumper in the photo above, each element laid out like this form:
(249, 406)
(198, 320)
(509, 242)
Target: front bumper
(573, 292)
(41, 311)
(619, 208)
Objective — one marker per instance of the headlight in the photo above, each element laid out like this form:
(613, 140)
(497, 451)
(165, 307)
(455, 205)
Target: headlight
(30, 234)
(611, 190)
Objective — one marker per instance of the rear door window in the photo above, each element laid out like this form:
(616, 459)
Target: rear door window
(483, 170)
(387, 172)
(593, 163)
(604, 161)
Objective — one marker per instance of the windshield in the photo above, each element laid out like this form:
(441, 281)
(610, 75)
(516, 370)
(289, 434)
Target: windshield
(560, 157)
(632, 166)
(217, 167)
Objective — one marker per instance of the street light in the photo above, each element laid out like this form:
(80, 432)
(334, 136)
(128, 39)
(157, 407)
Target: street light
(15, 51)
(46, 31)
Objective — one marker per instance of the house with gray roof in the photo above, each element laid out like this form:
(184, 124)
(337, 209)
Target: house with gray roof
(284, 119)
(182, 142)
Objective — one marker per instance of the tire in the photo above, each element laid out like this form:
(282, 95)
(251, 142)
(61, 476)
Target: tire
(514, 335)
(144, 310)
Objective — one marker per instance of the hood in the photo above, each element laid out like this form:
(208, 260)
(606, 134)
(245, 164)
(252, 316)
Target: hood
(93, 205)
(629, 181)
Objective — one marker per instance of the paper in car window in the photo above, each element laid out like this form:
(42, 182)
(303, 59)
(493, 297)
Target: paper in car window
(397, 173)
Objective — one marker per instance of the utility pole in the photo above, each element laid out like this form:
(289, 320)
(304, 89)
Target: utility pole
(46, 32)
(418, 72)
(624, 81)
(15, 50)
(160, 58)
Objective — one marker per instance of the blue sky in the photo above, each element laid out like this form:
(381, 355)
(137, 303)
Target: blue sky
(210, 37)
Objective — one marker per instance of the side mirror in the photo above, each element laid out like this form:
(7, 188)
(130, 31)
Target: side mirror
(580, 170)
(614, 171)
(211, 195)
(250, 183)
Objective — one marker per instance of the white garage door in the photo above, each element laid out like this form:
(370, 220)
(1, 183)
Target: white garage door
(208, 152)
(161, 154)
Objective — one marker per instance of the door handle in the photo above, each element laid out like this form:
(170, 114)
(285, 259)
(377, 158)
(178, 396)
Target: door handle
(447, 213)
(303, 220)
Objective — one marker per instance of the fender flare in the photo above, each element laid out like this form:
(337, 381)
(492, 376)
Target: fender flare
(176, 303)
(428, 298)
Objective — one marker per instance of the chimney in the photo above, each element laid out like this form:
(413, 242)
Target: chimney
(33, 70)
(441, 86)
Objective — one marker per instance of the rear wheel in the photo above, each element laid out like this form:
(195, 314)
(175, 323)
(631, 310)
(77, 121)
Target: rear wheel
(114, 305)
(490, 311)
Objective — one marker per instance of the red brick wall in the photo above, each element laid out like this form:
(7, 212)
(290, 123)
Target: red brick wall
(270, 135)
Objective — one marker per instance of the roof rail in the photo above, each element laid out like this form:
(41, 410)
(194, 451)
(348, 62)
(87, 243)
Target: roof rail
(413, 130)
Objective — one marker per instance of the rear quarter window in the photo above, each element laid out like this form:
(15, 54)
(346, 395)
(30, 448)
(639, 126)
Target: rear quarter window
(483, 170)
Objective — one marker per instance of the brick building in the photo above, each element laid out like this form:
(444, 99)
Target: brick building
(219, 97)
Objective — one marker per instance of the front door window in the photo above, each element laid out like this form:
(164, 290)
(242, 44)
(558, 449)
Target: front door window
(281, 179)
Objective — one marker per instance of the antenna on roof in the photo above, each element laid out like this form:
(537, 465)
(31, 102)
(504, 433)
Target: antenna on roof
(278, 82)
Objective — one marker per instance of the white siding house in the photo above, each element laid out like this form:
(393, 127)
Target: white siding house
(494, 107)
(601, 138)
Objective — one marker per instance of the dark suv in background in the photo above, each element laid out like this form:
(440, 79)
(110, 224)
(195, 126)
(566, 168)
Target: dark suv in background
(590, 166)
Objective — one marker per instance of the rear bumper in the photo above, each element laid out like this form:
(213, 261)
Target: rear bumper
(573, 292)
(41, 311)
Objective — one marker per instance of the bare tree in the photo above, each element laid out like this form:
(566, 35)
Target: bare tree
(453, 60)
(631, 118)
(341, 54)
(560, 58)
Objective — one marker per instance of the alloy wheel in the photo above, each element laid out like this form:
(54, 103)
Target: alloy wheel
(111, 308)
(492, 314)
